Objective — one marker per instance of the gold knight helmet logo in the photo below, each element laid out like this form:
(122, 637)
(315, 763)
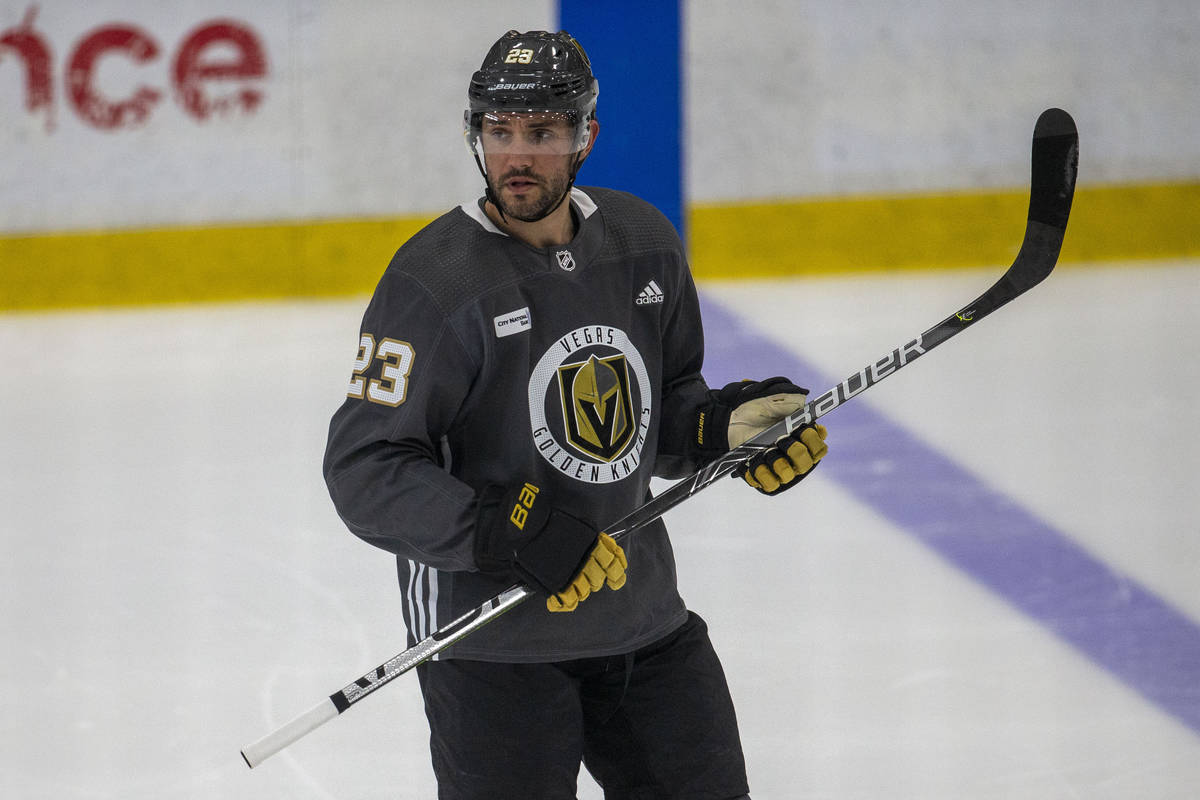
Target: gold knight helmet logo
(597, 407)
(591, 405)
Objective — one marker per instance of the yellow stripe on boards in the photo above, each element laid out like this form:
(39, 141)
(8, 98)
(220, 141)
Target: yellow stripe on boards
(173, 265)
(742, 240)
(900, 232)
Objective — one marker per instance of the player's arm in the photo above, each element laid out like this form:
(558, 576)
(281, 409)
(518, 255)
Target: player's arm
(683, 387)
(383, 457)
(699, 425)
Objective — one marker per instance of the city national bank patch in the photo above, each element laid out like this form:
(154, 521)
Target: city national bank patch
(512, 322)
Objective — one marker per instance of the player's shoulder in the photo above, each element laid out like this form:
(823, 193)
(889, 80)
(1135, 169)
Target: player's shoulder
(449, 259)
(619, 203)
(633, 224)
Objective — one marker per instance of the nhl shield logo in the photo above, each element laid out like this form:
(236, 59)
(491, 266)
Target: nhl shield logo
(565, 259)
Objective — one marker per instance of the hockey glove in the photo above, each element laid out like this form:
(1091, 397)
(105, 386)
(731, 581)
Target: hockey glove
(605, 565)
(787, 462)
(521, 535)
(740, 411)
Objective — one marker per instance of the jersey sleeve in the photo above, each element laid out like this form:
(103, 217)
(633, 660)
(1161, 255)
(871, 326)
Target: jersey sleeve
(684, 389)
(384, 464)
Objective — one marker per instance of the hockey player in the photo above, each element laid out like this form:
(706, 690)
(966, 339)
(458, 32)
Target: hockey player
(527, 362)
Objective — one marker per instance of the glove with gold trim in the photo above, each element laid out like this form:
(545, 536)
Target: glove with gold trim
(605, 565)
(787, 462)
(740, 411)
(519, 535)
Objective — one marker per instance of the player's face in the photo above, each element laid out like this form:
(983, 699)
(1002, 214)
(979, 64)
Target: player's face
(528, 159)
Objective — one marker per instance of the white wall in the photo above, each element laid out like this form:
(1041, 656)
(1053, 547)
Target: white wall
(799, 97)
(362, 115)
(362, 102)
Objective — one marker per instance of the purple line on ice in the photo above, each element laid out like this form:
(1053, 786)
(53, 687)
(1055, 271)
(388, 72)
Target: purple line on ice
(1116, 623)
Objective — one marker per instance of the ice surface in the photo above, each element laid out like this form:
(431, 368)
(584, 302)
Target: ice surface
(177, 583)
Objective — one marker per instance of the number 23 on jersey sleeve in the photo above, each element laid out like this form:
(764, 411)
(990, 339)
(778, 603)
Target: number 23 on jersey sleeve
(391, 387)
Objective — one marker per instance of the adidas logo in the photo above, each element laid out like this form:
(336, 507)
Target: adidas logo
(651, 294)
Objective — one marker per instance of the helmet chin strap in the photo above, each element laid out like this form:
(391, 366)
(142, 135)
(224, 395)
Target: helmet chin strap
(491, 197)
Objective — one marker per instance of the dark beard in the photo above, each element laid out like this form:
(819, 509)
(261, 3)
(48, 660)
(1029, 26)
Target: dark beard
(533, 208)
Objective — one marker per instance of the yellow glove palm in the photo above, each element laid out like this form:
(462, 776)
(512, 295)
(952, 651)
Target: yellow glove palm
(605, 565)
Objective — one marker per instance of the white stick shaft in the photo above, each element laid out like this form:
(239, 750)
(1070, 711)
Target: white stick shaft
(302, 725)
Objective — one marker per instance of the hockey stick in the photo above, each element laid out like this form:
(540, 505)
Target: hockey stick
(1055, 157)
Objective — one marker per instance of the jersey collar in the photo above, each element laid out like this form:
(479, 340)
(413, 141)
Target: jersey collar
(474, 209)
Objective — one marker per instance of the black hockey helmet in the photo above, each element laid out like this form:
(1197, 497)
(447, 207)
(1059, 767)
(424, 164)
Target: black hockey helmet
(535, 71)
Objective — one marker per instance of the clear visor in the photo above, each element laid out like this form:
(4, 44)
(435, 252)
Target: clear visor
(550, 133)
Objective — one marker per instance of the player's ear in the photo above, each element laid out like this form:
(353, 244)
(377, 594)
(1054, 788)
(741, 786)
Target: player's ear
(593, 132)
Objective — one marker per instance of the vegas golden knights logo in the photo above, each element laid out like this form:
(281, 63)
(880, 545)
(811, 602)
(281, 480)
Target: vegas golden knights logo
(597, 406)
(590, 405)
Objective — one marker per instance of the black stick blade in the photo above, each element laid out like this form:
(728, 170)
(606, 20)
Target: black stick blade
(1052, 188)
(1055, 164)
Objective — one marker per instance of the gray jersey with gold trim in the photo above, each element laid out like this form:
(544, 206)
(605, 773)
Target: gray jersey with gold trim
(483, 360)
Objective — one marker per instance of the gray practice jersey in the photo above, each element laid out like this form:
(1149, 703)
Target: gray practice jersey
(483, 360)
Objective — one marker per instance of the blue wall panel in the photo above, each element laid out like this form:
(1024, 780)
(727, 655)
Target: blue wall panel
(635, 52)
